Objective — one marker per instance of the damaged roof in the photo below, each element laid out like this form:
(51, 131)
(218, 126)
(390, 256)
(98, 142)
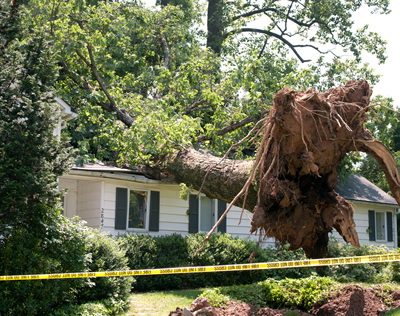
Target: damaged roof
(357, 188)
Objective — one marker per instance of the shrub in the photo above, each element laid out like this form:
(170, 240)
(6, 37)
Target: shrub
(222, 249)
(296, 293)
(61, 249)
(289, 293)
(366, 272)
(99, 308)
(145, 252)
(105, 255)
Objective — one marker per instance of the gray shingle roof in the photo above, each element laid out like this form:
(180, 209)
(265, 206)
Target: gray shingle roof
(358, 188)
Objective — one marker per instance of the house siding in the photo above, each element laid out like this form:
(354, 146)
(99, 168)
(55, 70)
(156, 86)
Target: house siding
(89, 202)
(362, 223)
(95, 198)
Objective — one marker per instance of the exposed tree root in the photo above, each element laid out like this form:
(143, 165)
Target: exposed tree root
(305, 139)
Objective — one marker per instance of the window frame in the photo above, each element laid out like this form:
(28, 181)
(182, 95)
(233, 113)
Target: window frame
(384, 229)
(147, 219)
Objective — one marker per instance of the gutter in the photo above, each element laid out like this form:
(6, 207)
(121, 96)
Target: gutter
(106, 175)
(374, 203)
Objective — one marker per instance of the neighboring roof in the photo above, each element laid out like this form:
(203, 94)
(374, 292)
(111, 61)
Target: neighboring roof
(67, 112)
(358, 188)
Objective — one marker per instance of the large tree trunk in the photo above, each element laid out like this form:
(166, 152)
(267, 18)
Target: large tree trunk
(224, 178)
(305, 139)
(215, 25)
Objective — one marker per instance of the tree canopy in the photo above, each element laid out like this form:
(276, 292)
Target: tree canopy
(155, 89)
(151, 68)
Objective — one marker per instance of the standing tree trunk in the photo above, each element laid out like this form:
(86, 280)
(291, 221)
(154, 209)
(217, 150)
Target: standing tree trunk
(215, 25)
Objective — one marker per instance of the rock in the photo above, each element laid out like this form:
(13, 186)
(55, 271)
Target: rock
(206, 311)
(199, 303)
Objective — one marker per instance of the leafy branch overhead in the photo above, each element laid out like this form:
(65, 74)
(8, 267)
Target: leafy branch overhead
(144, 66)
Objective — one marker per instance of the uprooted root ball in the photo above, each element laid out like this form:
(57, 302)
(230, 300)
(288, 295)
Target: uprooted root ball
(305, 139)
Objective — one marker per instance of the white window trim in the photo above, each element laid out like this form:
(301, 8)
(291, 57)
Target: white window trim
(146, 228)
(385, 229)
(215, 202)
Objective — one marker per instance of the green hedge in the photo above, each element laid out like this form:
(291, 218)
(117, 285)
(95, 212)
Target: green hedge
(366, 272)
(60, 250)
(66, 246)
(145, 252)
(105, 254)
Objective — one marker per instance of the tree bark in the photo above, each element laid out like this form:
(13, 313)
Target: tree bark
(223, 181)
(215, 25)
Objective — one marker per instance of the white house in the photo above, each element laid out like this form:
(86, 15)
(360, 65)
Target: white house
(121, 200)
(375, 211)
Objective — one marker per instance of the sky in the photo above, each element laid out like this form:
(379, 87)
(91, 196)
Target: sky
(388, 27)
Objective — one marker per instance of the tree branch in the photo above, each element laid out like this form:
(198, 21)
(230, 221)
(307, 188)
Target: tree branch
(251, 13)
(280, 37)
(232, 127)
(110, 106)
(192, 107)
(167, 56)
(78, 80)
(287, 17)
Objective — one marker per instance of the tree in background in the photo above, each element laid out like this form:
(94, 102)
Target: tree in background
(31, 156)
(385, 126)
(34, 238)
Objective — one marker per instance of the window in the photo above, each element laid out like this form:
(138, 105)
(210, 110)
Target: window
(204, 213)
(207, 214)
(137, 209)
(380, 224)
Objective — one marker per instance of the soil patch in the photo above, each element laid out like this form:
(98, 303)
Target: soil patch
(354, 300)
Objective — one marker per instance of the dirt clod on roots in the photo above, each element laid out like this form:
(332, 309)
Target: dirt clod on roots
(305, 138)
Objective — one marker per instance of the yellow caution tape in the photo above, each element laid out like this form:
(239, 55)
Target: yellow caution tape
(222, 268)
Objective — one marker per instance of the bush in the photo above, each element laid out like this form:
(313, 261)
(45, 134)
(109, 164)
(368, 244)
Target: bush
(99, 308)
(67, 246)
(105, 255)
(61, 249)
(366, 272)
(296, 293)
(145, 252)
(288, 293)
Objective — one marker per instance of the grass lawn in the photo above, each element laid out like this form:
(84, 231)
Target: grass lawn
(161, 303)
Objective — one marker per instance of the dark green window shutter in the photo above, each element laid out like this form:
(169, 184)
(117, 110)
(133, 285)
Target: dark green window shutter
(193, 214)
(121, 208)
(221, 210)
(371, 222)
(389, 223)
(154, 211)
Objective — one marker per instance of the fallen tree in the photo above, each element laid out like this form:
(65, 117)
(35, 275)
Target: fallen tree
(290, 185)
